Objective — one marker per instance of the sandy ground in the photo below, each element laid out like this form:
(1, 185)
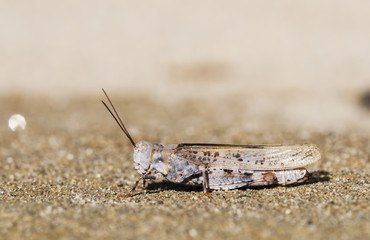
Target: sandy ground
(60, 177)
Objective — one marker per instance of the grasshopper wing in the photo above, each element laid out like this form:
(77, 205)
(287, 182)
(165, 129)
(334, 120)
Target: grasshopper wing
(248, 157)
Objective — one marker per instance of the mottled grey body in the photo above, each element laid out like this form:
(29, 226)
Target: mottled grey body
(225, 166)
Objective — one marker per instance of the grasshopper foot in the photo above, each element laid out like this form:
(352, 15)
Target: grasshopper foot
(207, 194)
(124, 195)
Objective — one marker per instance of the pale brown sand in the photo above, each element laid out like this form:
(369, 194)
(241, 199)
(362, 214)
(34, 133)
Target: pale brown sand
(61, 176)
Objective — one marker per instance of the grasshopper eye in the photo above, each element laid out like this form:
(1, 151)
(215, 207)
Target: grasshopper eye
(143, 147)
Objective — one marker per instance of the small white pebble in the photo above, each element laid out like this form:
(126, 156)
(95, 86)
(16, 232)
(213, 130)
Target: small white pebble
(89, 151)
(47, 210)
(287, 211)
(70, 156)
(17, 121)
(9, 160)
(193, 233)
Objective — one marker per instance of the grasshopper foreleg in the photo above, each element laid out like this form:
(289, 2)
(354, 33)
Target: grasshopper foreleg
(142, 177)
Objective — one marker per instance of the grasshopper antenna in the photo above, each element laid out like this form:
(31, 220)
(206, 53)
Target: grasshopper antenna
(117, 118)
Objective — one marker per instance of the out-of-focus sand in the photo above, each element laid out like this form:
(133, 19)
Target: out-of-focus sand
(243, 72)
(309, 59)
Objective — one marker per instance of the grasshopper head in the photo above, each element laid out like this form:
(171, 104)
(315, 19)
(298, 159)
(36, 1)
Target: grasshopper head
(142, 157)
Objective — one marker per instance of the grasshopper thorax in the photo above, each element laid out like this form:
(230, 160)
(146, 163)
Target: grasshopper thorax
(142, 157)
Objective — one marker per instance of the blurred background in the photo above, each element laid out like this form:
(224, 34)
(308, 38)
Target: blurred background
(300, 63)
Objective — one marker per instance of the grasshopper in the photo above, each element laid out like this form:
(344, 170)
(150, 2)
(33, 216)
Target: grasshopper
(219, 166)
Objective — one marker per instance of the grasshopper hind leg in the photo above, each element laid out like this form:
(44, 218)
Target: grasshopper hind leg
(206, 187)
